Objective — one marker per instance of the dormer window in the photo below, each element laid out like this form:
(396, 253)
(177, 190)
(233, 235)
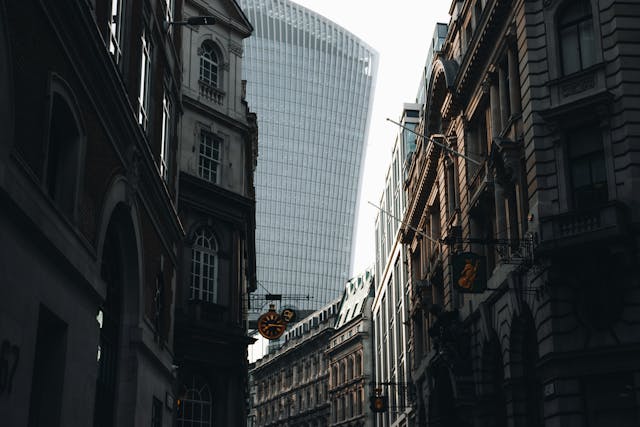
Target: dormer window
(575, 32)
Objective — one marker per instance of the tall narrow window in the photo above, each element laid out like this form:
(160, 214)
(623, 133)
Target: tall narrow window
(575, 30)
(145, 80)
(587, 167)
(156, 412)
(209, 158)
(166, 137)
(196, 405)
(168, 5)
(452, 203)
(116, 20)
(63, 156)
(209, 64)
(204, 267)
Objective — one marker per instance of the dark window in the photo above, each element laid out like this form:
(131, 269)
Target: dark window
(575, 31)
(48, 371)
(156, 413)
(587, 168)
(196, 405)
(62, 156)
(451, 189)
(204, 267)
(478, 12)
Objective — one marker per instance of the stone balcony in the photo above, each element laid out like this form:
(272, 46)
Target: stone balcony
(584, 227)
(211, 93)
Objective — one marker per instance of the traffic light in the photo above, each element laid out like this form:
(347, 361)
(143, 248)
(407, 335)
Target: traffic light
(378, 402)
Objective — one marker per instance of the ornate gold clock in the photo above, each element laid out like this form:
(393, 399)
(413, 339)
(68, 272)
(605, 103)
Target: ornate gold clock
(271, 325)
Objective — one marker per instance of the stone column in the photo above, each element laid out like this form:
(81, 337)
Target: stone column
(503, 91)
(499, 197)
(494, 100)
(514, 82)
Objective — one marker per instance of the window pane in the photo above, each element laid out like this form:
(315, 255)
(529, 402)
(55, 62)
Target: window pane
(587, 44)
(580, 174)
(570, 52)
(598, 173)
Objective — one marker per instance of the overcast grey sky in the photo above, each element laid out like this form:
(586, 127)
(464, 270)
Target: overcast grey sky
(401, 32)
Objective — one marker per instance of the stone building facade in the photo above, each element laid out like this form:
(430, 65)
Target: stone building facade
(290, 386)
(391, 302)
(538, 96)
(216, 205)
(88, 223)
(350, 356)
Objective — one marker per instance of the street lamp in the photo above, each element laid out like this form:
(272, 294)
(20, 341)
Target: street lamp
(192, 20)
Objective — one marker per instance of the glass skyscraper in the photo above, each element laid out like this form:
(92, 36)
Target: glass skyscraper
(311, 83)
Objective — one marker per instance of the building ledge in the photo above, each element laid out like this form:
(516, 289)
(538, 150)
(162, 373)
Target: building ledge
(577, 228)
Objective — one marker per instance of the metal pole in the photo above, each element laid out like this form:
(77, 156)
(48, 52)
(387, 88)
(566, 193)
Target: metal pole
(446, 147)
(405, 224)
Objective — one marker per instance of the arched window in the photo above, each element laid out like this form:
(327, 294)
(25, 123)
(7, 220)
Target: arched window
(575, 33)
(196, 404)
(209, 64)
(65, 147)
(204, 267)
(63, 156)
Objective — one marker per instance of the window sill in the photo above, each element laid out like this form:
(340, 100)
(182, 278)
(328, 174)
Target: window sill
(579, 85)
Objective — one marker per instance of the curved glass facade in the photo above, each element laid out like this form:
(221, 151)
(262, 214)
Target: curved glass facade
(311, 84)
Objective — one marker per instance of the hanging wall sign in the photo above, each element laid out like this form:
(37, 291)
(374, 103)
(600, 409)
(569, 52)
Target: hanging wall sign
(469, 272)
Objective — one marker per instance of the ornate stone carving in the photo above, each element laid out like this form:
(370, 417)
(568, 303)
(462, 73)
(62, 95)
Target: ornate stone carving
(579, 85)
(235, 48)
(504, 159)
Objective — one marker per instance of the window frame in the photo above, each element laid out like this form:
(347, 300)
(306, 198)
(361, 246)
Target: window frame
(165, 140)
(575, 26)
(58, 88)
(199, 386)
(551, 20)
(215, 139)
(116, 30)
(144, 93)
(590, 156)
(209, 46)
(196, 282)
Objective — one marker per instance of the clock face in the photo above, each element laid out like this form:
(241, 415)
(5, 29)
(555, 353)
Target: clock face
(271, 326)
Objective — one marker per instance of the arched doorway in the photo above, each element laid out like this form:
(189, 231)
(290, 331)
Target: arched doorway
(491, 405)
(119, 272)
(527, 388)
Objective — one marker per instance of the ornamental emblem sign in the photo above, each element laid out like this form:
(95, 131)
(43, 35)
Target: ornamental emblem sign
(469, 272)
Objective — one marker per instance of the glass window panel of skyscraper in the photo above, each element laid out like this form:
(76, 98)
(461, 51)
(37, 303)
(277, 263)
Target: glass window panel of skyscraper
(311, 84)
